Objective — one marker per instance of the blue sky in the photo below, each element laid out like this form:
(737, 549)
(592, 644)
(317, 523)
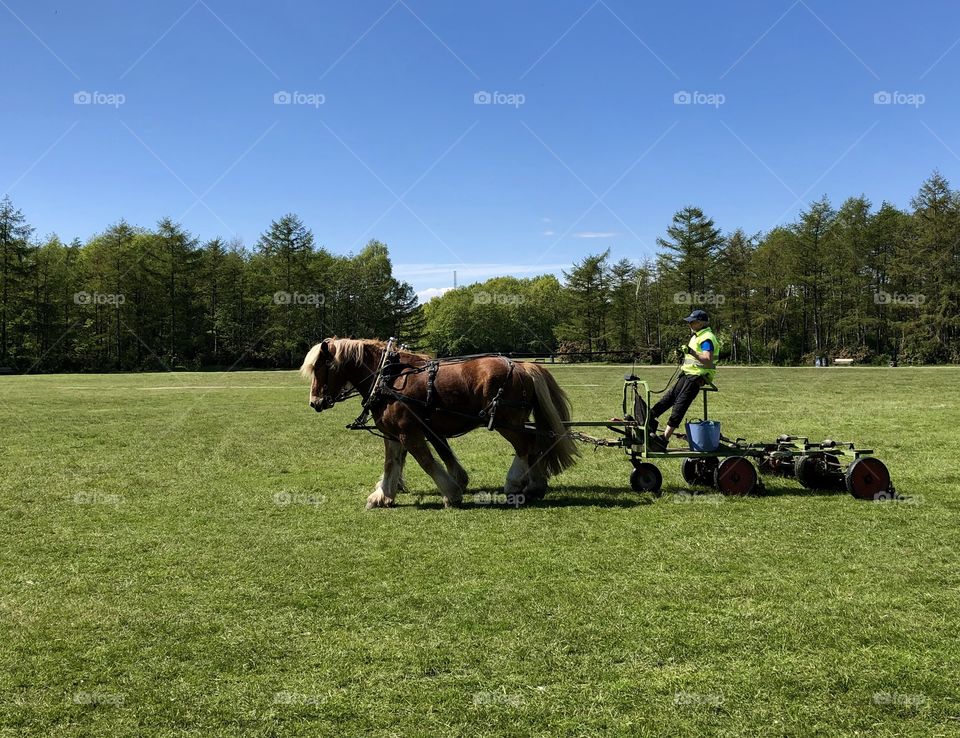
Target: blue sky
(582, 148)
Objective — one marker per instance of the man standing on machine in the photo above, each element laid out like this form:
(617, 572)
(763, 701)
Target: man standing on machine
(698, 369)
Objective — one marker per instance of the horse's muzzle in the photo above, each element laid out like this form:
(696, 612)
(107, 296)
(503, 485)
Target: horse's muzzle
(322, 403)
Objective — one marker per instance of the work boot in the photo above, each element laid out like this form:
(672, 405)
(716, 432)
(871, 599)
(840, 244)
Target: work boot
(656, 442)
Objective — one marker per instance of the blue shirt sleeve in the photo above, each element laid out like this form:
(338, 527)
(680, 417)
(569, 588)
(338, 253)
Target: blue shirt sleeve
(706, 345)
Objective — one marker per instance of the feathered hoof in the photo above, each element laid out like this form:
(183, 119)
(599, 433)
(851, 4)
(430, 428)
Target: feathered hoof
(378, 499)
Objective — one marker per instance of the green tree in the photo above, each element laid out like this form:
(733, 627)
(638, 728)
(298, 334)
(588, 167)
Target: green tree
(15, 262)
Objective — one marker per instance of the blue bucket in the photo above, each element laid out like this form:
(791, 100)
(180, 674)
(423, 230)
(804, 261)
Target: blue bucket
(703, 435)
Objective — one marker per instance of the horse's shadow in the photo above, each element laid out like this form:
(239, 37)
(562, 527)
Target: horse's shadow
(601, 496)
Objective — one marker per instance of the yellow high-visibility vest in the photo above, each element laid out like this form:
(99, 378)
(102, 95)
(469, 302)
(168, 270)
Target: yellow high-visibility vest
(691, 364)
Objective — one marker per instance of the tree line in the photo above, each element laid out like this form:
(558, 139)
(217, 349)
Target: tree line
(873, 284)
(132, 299)
(854, 281)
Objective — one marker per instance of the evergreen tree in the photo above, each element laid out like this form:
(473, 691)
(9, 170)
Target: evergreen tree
(15, 260)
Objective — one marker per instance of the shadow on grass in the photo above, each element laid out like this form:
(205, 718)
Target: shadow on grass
(597, 496)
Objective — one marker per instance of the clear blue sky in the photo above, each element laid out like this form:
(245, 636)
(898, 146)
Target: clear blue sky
(483, 188)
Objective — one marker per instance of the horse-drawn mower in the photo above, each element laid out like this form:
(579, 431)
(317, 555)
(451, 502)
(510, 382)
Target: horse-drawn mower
(733, 466)
(414, 401)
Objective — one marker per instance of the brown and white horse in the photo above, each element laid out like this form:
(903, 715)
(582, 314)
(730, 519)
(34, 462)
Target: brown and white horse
(419, 410)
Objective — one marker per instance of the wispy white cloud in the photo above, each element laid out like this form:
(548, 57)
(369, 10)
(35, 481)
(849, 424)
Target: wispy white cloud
(473, 270)
(549, 233)
(595, 234)
(428, 294)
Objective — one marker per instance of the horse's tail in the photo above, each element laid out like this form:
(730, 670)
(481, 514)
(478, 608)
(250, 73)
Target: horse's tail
(310, 361)
(551, 408)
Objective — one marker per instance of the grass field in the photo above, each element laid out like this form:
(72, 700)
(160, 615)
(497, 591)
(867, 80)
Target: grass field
(189, 554)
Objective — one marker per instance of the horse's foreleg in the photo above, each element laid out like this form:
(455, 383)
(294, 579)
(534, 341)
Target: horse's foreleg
(401, 481)
(418, 447)
(454, 467)
(390, 482)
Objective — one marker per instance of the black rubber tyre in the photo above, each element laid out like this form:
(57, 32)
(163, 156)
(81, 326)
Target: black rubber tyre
(805, 470)
(646, 477)
(698, 471)
(819, 472)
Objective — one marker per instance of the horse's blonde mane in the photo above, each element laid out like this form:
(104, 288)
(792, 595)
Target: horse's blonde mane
(344, 350)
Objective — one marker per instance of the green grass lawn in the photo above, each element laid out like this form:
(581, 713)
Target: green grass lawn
(189, 554)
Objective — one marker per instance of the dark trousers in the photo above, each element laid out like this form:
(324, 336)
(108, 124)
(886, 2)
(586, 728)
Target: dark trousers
(683, 392)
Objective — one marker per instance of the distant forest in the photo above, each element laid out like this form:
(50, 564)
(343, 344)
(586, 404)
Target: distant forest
(855, 281)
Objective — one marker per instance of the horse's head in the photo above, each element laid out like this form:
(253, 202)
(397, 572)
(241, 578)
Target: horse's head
(326, 381)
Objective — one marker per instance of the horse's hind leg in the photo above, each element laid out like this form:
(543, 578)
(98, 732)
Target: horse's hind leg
(392, 479)
(418, 447)
(454, 467)
(518, 477)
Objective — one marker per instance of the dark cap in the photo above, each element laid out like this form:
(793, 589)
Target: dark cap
(700, 315)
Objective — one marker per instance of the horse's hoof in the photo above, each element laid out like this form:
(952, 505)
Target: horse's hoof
(378, 499)
(533, 495)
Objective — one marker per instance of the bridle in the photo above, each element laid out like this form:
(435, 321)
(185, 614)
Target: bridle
(327, 400)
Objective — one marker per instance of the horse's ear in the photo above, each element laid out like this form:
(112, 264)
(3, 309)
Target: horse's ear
(325, 348)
